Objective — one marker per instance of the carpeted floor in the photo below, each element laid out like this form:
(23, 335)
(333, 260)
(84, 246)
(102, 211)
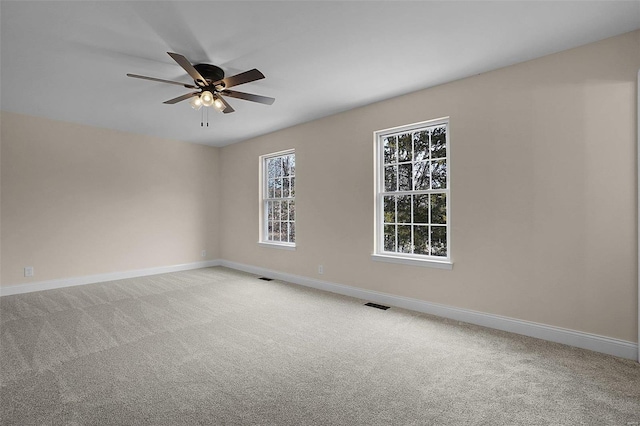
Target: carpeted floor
(219, 347)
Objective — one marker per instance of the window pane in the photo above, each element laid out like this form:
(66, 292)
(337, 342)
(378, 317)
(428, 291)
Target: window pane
(390, 238)
(389, 209)
(292, 210)
(390, 147)
(438, 240)
(438, 142)
(292, 165)
(390, 178)
(270, 231)
(404, 148)
(284, 231)
(421, 175)
(276, 210)
(439, 208)
(405, 177)
(421, 239)
(284, 210)
(271, 168)
(421, 145)
(286, 165)
(404, 209)
(276, 231)
(439, 174)
(421, 208)
(286, 182)
(292, 187)
(269, 207)
(271, 188)
(278, 166)
(292, 232)
(404, 238)
(278, 188)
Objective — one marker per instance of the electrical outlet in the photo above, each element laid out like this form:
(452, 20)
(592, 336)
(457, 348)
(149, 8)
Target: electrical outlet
(320, 269)
(28, 271)
(204, 253)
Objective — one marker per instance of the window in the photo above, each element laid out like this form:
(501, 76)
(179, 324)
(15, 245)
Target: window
(278, 208)
(412, 194)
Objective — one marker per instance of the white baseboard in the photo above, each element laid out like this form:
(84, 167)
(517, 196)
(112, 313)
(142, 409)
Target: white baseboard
(90, 279)
(594, 342)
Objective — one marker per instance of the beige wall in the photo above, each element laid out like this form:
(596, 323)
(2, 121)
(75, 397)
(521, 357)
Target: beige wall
(78, 200)
(543, 195)
(543, 192)
(0, 199)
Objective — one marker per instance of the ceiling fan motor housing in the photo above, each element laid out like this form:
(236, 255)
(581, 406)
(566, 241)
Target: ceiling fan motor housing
(210, 72)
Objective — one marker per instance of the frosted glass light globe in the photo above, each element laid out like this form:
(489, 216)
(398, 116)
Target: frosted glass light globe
(206, 98)
(196, 103)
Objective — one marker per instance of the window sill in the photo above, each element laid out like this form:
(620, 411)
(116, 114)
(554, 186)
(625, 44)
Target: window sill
(277, 245)
(428, 263)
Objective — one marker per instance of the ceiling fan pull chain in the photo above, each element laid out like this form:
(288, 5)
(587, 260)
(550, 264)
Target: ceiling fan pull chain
(201, 117)
(207, 117)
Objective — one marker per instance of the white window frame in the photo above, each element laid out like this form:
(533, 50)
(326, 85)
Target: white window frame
(263, 214)
(379, 254)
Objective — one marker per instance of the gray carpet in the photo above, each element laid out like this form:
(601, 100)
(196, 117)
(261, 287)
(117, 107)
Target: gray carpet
(216, 346)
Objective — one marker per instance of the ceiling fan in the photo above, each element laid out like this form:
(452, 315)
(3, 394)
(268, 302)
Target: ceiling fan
(211, 85)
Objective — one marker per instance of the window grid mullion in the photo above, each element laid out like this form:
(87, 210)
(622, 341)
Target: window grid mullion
(429, 227)
(395, 223)
(420, 192)
(413, 188)
(395, 227)
(280, 199)
(418, 161)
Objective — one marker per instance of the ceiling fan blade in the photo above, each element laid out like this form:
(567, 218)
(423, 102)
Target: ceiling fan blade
(249, 97)
(188, 86)
(181, 98)
(242, 78)
(227, 108)
(184, 63)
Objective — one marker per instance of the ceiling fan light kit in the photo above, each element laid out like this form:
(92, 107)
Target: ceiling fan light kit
(211, 85)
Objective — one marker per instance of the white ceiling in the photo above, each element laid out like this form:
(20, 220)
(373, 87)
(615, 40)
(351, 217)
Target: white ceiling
(68, 60)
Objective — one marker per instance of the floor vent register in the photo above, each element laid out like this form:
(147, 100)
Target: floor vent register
(375, 305)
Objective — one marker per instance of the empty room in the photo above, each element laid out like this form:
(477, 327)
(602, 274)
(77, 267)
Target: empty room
(319, 212)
